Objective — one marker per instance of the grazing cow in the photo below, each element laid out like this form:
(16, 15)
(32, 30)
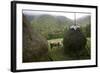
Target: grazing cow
(54, 44)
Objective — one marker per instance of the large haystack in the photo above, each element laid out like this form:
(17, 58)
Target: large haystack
(35, 46)
(74, 43)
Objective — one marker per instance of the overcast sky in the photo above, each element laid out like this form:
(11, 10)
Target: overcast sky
(66, 14)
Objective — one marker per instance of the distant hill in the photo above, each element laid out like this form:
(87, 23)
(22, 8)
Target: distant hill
(30, 17)
(84, 21)
(52, 25)
(64, 20)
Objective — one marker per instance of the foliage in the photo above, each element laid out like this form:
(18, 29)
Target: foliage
(87, 30)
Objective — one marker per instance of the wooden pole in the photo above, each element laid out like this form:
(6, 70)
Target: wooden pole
(75, 23)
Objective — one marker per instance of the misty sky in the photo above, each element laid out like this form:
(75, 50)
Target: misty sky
(66, 14)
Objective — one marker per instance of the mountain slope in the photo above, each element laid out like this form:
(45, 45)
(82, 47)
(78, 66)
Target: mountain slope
(84, 21)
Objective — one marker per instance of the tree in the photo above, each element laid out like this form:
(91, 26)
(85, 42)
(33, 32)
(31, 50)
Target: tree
(88, 30)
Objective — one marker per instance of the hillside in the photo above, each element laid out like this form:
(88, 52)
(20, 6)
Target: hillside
(84, 21)
(49, 25)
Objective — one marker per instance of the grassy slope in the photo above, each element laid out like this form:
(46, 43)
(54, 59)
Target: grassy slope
(57, 53)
